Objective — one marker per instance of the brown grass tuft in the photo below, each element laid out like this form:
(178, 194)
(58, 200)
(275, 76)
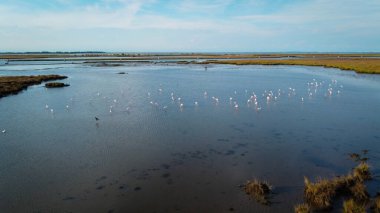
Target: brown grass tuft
(362, 172)
(359, 192)
(302, 208)
(259, 191)
(321, 193)
(376, 204)
(351, 206)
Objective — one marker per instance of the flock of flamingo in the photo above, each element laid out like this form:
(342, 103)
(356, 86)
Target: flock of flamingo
(252, 100)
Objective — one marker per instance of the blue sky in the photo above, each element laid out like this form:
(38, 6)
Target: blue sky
(190, 26)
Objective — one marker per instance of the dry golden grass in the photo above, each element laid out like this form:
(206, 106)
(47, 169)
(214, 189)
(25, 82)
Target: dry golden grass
(14, 84)
(362, 172)
(352, 206)
(320, 194)
(359, 192)
(258, 190)
(360, 65)
(376, 205)
(302, 208)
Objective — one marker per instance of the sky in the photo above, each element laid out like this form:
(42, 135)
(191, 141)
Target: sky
(190, 25)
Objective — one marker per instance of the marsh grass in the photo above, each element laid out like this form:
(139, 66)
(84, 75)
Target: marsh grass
(321, 194)
(362, 172)
(359, 65)
(56, 85)
(302, 208)
(14, 84)
(259, 191)
(359, 192)
(352, 206)
(375, 206)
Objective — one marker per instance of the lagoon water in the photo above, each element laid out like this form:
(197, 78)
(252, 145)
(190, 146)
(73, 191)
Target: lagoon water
(146, 153)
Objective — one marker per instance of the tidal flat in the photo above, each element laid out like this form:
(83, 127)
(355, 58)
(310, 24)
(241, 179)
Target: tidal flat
(166, 137)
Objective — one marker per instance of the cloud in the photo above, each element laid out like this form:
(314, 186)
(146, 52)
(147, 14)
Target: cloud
(303, 25)
(191, 6)
(90, 16)
(126, 17)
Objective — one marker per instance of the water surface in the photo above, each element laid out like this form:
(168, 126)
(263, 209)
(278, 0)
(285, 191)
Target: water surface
(146, 153)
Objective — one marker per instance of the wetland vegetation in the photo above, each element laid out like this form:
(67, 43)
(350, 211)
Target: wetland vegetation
(56, 85)
(15, 84)
(359, 65)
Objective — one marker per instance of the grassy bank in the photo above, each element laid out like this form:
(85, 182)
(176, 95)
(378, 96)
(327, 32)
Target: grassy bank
(360, 65)
(14, 84)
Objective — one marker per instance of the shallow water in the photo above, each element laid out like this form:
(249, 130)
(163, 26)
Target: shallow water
(148, 154)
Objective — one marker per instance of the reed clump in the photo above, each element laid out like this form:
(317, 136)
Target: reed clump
(56, 85)
(352, 206)
(362, 172)
(375, 207)
(302, 208)
(320, 194)
(259, 191)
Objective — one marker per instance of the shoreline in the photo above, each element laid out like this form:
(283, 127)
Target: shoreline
(368, 63)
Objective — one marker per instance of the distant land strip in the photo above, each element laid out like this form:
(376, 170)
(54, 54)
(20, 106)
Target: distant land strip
(359, 65)
(368, 63)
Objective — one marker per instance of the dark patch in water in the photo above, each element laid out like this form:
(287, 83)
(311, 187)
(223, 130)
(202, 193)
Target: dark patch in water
(236, 128)
(251, 125)
(166, 175)
(223, 140)
(213, 151)
(111, 211)
(240, 145)
(101, 178)
(198, 155)
(165, 166)
(229, 152)
(138, 188)
(100, 187)
(323, 163)
(169, 181)
(68, 198)
(277, 134)
(143, 176)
